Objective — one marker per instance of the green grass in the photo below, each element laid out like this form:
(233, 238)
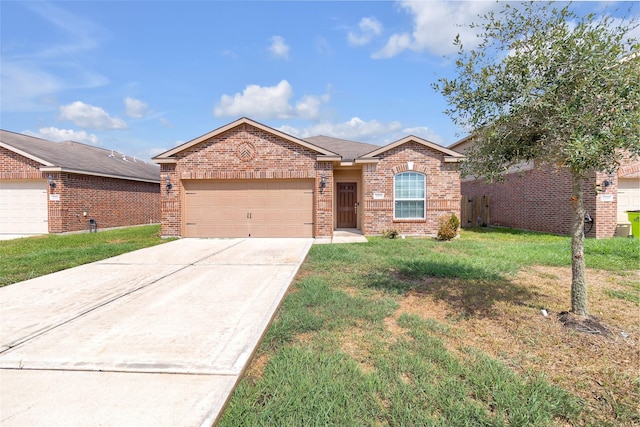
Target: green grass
(30, 257)
(632, 294)
(331, 359)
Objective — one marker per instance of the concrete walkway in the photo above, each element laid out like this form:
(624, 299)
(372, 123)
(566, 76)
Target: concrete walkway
(343, 235)
(155, 337)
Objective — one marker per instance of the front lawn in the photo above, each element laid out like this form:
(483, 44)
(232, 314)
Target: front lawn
(416, 332)
(30, 257)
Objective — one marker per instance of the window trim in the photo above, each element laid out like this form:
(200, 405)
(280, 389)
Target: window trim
(422, 199)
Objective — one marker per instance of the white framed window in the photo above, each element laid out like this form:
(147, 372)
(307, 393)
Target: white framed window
(409, 193)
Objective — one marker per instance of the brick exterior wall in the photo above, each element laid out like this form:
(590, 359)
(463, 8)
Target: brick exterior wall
(442, 182)
(540, 200)
(111, 202)
(246, 152)
(15, 166)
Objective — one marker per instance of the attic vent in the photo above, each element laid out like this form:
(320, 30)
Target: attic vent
(112, 155)
(246, 151)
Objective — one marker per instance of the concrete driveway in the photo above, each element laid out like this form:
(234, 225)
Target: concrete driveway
(155, 337)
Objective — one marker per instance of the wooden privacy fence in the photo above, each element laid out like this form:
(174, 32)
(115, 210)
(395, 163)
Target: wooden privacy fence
(474, 211)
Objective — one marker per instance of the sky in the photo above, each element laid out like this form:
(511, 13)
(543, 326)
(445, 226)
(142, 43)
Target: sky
(141, 77)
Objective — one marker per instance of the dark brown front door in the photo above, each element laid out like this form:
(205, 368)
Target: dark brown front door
(347, 209)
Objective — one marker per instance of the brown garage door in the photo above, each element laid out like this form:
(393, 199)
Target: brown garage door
(260, 208)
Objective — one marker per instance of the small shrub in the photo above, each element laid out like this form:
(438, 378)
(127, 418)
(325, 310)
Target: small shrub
(448, 227)
(390, 234)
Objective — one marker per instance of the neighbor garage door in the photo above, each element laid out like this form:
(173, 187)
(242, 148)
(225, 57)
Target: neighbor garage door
(628, 197)
(260, 208)
(23, 207)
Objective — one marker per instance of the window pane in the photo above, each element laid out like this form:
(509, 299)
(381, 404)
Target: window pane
(409, 194)
(409, 185)
(410, 209)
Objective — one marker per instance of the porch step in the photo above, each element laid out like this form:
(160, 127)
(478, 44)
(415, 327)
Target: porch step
(343, 235)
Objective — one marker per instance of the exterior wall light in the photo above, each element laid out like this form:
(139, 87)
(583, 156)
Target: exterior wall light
(52, 184)
(169, 185)
(323, 181)
(608, 182)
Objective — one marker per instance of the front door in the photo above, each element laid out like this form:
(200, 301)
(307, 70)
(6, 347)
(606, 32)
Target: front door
(347, 205)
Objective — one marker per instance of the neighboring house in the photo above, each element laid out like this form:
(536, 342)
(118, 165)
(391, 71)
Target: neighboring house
(57, 187)
(539, 199)
(248, 180)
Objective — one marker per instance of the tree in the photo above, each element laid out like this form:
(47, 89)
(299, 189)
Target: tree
(547, 85)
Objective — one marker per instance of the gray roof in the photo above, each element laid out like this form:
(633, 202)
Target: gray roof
(80, 158)
(349, 150)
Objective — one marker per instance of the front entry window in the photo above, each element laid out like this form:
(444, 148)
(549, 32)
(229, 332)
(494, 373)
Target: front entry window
(409, 196)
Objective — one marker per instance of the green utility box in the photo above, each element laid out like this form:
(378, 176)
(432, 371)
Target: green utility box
(634, 219)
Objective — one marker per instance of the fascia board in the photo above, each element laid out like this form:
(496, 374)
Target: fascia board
(236, 123)
(416, 139)
(451, 159)
(25, 154)
(105, 175)
(332, 158)
(164, 161)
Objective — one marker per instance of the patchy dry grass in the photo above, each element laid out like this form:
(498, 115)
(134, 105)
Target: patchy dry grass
(417, 332)
(602, 370)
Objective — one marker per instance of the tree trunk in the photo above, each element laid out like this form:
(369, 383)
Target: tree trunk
(578, 279)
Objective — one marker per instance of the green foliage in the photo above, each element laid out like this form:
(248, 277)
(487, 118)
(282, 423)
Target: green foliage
(550, 85)
(390, 234)
(448, 227)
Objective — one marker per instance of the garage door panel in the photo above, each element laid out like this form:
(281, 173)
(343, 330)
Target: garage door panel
(628, 197)
(259, 208)
(23, 207)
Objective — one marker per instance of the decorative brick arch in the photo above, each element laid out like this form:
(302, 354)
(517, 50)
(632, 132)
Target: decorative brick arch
(405, 168)
(632, 168)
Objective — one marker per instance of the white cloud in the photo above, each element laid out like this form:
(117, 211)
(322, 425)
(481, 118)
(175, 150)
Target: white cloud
(369, 28)
(372, 131)
(396, 44)
(309, 106)
(423, 132)
(135, 108)
(89, 116)
(435, 24)
(270, 102)
(279, 48)
(57, 135)
(354, 129)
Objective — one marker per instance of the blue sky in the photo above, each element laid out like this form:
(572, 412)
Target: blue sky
(141, 77)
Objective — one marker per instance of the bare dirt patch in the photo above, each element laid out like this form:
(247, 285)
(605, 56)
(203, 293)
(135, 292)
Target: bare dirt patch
(255, 370)
(601, 367)
(355, 344)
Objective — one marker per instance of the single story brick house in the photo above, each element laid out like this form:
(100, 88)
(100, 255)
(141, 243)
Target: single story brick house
(58, 187)
(246, 179)
(539, 198)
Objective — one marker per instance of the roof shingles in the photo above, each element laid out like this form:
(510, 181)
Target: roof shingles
(80, 158)
(349, 150)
